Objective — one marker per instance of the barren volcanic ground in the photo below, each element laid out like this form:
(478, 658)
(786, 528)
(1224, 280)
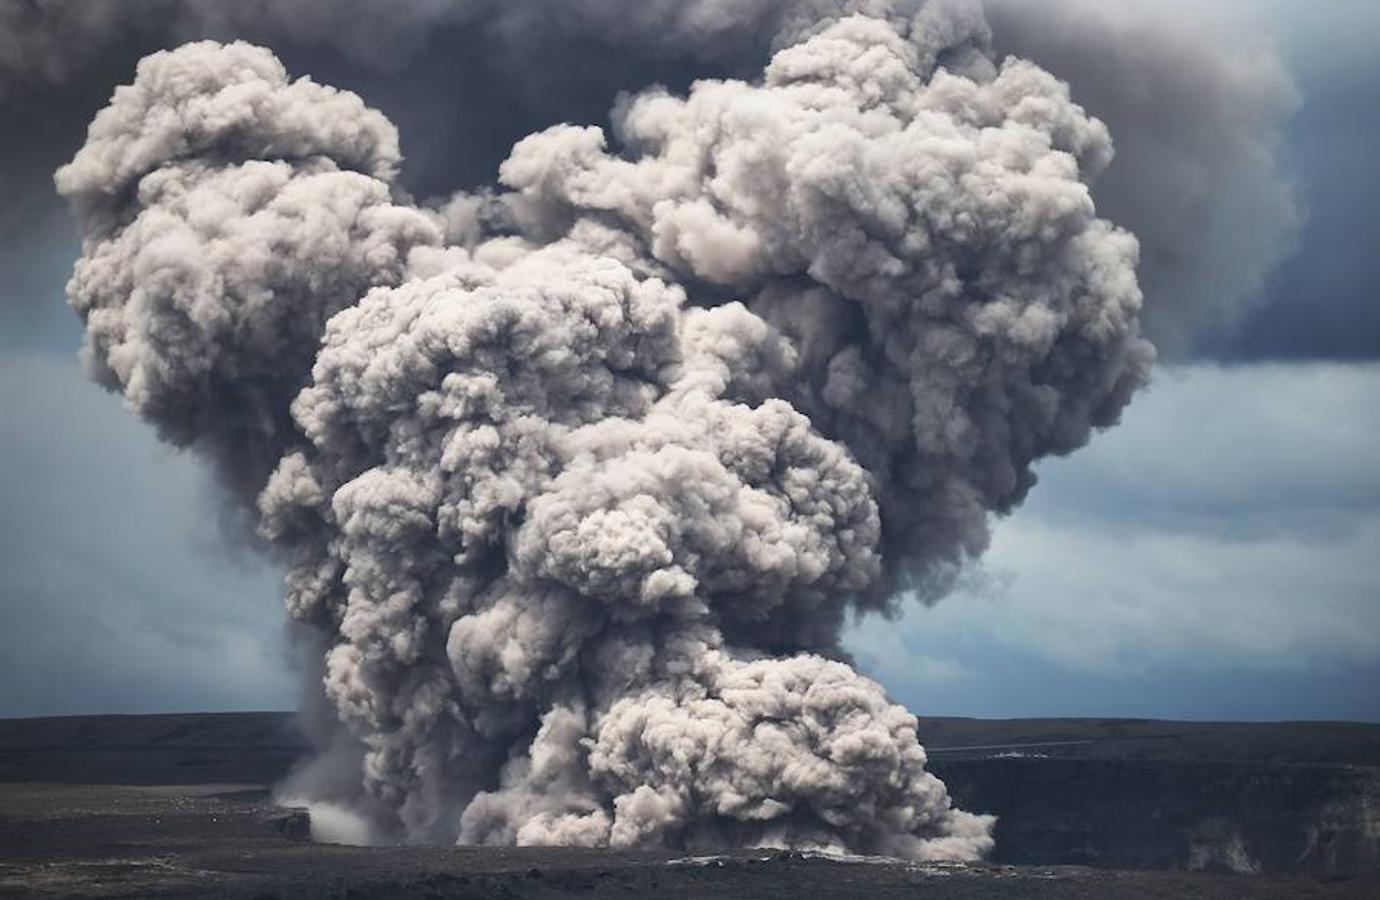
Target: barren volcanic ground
(179, 806)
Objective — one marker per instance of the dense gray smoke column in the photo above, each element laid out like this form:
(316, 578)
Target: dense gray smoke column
(1196, 98)
(579, 477)
(226, 215)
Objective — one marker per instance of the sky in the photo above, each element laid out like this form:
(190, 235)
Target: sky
(1213, 557)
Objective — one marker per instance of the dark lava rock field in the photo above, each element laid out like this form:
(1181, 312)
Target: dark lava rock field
(179, 806)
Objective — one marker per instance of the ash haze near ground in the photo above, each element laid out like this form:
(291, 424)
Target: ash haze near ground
(585, 416)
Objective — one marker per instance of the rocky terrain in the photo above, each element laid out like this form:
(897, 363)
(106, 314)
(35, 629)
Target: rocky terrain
(1239, 797)
(180, 806)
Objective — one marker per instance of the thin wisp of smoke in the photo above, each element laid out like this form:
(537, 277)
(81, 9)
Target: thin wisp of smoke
(579, 477)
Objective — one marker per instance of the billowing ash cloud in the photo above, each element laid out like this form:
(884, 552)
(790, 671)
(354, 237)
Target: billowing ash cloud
(580, 476)
(226, 215)
(1196, 102)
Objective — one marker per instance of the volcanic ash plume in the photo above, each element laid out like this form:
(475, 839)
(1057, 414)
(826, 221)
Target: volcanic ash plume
(580, 476)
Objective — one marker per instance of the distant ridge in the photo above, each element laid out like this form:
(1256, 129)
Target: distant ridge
(262, 746)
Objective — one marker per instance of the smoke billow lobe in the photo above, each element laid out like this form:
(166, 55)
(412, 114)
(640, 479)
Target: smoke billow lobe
(226, 215)
(579, 477)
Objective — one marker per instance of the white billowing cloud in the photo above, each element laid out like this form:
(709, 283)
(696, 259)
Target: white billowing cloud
(216, 280)
(572, 500)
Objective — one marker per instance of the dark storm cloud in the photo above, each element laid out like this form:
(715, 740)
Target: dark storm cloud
(1212, 556)
(1324, 301)
(115, 595)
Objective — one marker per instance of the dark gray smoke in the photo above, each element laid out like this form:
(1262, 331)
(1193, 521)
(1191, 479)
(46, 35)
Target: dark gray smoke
(579, 477)
(1195, 101)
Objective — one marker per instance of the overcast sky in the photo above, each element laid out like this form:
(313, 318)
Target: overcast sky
(1213, 557)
